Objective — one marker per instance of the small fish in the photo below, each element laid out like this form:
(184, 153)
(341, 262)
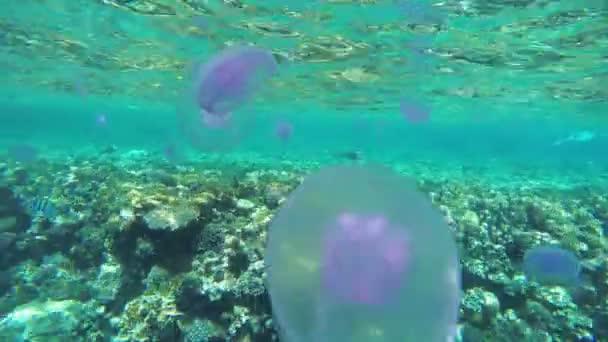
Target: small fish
(350, 155)
(581, 137)
(41, 207)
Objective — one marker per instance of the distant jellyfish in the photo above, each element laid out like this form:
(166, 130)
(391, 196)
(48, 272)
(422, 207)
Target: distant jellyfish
(358, 254)
(413, 111)
(80, 84)
(283, 130)
(552, 265)
(229, 79)
(101, 120)
(172, 153)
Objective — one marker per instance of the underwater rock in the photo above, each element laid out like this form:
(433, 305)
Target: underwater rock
(149, 317)
(162, 177)
(170, 218)
(200, 330)
(480, 307)
(48, 321)
(108, 282)
(244, 205)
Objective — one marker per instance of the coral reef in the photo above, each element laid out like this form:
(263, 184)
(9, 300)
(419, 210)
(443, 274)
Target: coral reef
(143, 250)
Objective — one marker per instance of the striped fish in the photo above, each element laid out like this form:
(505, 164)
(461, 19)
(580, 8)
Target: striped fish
(41, 207)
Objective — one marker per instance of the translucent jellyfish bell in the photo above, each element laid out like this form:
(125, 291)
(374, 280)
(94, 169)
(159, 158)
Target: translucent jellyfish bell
(231, 77)
(217, 88)
(358, 254)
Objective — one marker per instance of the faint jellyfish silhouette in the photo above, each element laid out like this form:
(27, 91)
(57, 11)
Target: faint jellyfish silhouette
(213, 120)
(414, 111)
(283, 130)
(358, 254)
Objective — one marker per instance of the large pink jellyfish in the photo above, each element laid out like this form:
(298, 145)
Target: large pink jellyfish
(370, 254)
(358, 254)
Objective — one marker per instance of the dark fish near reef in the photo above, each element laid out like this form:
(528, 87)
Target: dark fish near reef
(350, 155)
(552, 265)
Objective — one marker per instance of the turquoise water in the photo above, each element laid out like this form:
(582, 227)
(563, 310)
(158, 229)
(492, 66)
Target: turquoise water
(518, 97)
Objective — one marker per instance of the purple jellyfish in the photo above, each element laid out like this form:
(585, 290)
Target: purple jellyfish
(552, 265)
(414, 112)
(364, 259)
(283, 130)
(358, 254)
(229, 79)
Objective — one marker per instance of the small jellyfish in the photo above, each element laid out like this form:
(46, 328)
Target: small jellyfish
(413, 111)
(101, 120)
(358, 254)
(80, 86)
(229, 79)
(173, 153)
(552, 265)
(283, 130)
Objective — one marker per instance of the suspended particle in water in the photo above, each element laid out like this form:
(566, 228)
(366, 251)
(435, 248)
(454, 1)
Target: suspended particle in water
(357, 251)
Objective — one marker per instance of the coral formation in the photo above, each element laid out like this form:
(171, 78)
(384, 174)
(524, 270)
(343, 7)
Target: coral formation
(177, 253)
